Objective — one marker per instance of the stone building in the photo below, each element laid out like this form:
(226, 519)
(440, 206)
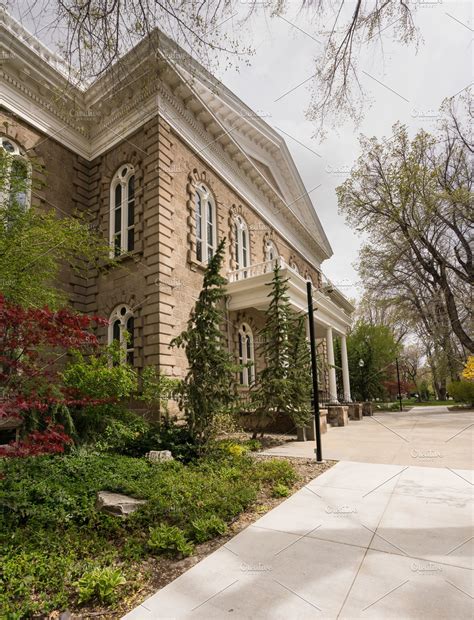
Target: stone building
(167, 161)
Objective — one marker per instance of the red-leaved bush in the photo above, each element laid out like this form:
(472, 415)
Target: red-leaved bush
(32, 341)
(51, 441)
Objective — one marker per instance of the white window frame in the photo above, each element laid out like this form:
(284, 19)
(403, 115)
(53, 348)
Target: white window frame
(246, 354)
(122, 178)
(16, 154)
(205, 214)
(241, 243)
(122, 314)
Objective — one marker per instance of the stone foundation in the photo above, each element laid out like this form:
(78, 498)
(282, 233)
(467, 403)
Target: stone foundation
(367, 409)
(354, 411)
(311, 427)
(323, 414)
(337, 415)
(301, 432)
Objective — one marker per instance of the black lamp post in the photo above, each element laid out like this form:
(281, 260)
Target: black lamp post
(399, 389)
(314, 372)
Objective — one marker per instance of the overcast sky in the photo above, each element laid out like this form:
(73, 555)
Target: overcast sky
(404, 83)
(421, 80)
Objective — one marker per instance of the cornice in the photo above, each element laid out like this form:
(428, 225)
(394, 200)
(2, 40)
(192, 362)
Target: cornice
(90, 125)
(186, 125)
(30, 42)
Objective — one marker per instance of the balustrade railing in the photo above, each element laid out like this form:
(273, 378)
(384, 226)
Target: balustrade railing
(259, 269)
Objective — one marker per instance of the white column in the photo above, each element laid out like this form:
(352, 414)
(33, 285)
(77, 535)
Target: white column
(332, 370)
(345, 371)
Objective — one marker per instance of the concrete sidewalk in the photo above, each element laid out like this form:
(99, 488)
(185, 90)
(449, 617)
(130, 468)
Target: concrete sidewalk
(359, 541)
(424, 436)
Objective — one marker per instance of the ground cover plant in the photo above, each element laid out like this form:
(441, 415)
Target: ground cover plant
(60, 553)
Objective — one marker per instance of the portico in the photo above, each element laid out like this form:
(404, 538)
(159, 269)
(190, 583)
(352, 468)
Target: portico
(247, 288)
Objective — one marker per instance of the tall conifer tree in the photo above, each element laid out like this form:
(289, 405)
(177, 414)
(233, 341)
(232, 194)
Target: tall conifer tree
(299, 374)
(208, 389)
(283, 387)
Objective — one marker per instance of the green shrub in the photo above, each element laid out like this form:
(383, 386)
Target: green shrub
(124, 437)
(254, 445)
(462, 391)
(157, 388)
(276, 471)
(176, 438)
(280, 490)
(207, 527)
(170, 540)
(101, 376)
(100, 584)
(135, 437)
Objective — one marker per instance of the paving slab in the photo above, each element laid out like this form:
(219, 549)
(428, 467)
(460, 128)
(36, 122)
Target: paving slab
(398, 587)
(360, 541)
(423, 437)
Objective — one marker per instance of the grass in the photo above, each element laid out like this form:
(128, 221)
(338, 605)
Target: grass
(58, 552)
(430, 403)
(408, 403)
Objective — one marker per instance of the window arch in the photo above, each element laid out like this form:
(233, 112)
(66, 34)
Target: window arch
(246, 355)
(242, 243)
(17, 175)
(122, 210)
(205, 223)
(294, 266)
(122, 330)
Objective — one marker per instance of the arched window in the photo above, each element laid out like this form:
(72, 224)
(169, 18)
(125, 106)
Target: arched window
(246, 355)
(242, 243)
(122, 330)
(15, 186)
(122, 210)
(205, 221)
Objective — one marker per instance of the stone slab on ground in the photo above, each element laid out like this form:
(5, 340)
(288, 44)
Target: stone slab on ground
(319, 555)
(427, 437)
(117, 504)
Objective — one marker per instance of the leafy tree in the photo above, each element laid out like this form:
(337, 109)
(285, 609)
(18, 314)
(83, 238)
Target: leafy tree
(412, 198)
(208, 390)
(35, 245)
(410, 365)
(375, 345)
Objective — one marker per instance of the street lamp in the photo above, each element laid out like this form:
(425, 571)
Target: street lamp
(399, 387)
(361, 363)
